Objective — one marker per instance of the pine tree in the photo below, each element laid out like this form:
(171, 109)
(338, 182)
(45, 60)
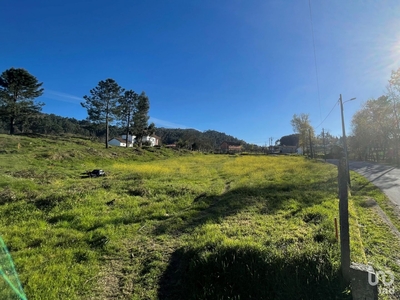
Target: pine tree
(102, 104)
(140, 126)
(127, 109)
(18, 89)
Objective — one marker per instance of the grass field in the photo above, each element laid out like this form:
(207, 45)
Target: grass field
(171, 225)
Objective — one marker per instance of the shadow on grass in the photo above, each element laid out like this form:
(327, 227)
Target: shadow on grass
(249, 273)
(47, 203)
(290, 198)
(266, 199)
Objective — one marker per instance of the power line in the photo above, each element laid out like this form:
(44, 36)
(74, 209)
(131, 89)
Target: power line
(315, 60)
(327, 115)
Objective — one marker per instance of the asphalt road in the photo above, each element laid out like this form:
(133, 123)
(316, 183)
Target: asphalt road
(386, 178)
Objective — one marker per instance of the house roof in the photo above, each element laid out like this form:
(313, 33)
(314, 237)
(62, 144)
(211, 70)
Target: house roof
(155, 136)
(232, 144)
(119, 139)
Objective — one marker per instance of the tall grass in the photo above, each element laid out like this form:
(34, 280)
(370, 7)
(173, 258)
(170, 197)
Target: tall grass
(163, 225)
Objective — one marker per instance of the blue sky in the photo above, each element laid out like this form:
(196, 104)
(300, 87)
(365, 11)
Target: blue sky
(241, 67)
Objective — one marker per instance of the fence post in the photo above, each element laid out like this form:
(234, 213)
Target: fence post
(344, 220)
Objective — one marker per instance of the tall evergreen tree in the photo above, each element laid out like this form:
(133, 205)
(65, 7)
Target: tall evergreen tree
(101, 105)
(140, 126)
(18, 89)
(127, 109)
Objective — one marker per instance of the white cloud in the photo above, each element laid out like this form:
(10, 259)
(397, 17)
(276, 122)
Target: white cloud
(62, 97)
(167, 124)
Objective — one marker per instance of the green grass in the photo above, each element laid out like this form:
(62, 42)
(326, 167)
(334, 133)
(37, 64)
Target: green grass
(182, 226)
(380, 245)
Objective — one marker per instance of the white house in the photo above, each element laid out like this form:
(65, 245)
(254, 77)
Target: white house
(121, 142)
(152, 139)
(300, 150)
(287, 149)
(130, 137)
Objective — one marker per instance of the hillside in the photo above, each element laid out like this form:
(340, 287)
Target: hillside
(176, 225)
(208, 139)
(51, 124)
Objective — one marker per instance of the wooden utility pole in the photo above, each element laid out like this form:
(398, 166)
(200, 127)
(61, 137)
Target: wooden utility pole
(323, 141)
(344, 219)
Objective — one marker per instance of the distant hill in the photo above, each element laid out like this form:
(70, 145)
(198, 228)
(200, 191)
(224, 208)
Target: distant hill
(51, 124)
(208, 139)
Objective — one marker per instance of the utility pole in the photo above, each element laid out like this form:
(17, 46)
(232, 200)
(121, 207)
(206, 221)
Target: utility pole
(344, 220)
(323, 141)
(344, 141)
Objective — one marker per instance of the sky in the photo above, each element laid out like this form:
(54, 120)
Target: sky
(243, 67)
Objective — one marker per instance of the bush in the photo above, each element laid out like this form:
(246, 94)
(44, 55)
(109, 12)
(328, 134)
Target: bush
(146, 143)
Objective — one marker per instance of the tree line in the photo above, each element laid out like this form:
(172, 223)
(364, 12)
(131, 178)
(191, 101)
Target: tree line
(375, 134)
(107, 104)
(112, 111)
(193, 139)
(323, 145)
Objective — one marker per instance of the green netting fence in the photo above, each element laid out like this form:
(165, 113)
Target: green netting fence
(10, 286)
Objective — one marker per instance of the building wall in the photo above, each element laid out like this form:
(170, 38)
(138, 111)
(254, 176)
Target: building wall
(115, 142)
(288, 149)
(235, 148)
(224, 146)
(130, 137)
(153, 141)
(150, 139)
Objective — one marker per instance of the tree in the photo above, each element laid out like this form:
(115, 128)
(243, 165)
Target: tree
(325, 142)
(290, 140)
(376, 126)
(102, 104)
(127, 109)
(301, 125)
(18, 89)
(181, 144)
(394, 96)
(373, 129)
(140, 126)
